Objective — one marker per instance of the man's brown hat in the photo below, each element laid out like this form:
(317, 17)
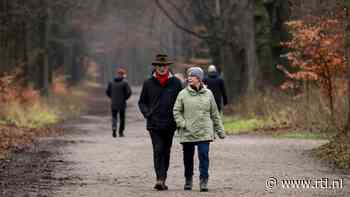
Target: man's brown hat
(161, 60)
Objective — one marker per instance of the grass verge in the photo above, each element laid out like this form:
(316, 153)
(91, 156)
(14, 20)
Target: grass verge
(235, 126)
(301, 135)
(21, 123)
(238, 126)
(33, 116)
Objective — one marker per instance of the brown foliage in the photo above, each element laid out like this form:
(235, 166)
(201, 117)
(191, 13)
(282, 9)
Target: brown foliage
(317, 55)
(12, 89)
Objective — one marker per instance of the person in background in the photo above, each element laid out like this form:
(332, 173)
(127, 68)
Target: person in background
(156, 103)
(216, 84)
(119, 92)
(181, 77)
(198, 120)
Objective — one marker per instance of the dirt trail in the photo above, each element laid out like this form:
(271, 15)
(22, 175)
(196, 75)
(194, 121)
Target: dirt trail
(89, 162)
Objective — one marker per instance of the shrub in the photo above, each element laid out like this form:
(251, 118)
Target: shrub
(278, 109)
(31, 116)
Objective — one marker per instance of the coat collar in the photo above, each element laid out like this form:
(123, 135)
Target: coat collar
(154, 78)
(170, 75)
(194, 92)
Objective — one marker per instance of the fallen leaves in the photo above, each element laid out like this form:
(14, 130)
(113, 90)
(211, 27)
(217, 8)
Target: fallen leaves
(12, 138)
(336, 151)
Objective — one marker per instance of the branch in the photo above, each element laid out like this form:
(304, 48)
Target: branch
(179, 11)
(231, 43)
(207, 10)
(173, 20)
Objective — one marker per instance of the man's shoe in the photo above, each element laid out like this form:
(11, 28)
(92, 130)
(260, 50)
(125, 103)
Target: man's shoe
(114, 134)
(203, 184)
(160, 185)
(165, 187)
(121, 134)
(188, 184)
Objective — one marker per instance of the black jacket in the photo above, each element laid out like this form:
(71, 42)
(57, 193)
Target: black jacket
(119, 91)
(217, 86)
(156, 103)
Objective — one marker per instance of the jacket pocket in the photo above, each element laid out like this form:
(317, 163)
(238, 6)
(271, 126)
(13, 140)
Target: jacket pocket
(193, 126)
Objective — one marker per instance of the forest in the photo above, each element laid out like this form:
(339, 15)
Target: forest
(285, 63)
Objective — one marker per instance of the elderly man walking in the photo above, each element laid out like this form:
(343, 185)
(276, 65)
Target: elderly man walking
(217, 85)
(156, 103)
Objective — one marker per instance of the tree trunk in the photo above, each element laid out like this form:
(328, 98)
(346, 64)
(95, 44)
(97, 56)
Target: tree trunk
(215, 53)
(234, 61)
(240, 60)
(46, 58)
(251, 57)
(43, 61)
(25, 53)
(75, 69)
(347, 130)
(68, 59)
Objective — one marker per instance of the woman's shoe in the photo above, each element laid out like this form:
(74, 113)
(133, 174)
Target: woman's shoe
(203, 184)
(188, 184)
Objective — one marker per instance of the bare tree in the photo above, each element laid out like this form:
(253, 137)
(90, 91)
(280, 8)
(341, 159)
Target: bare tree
(229, 31)
(30, 32)
(130, 33)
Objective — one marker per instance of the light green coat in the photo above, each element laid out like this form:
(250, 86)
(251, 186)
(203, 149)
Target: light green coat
(197, 116)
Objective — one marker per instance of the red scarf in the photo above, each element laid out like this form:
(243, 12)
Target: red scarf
(162, 78)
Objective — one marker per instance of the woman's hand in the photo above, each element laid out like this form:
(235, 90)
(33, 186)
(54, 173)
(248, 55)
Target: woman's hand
(221, 135)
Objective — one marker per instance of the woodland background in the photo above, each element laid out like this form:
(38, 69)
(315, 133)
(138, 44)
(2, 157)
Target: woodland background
(285, 63)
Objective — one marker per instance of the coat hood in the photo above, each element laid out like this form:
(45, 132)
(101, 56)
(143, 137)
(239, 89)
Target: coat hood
(213, 74)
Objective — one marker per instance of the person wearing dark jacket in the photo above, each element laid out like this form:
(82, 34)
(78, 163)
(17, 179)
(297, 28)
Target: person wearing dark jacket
(156, 103)
(119, 92)
(216, 84)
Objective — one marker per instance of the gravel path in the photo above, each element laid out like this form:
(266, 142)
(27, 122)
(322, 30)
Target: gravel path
(91, 163)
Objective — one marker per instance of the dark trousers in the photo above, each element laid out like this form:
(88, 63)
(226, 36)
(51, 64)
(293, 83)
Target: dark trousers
(115, 120)
(203, 156)
(161, 142)
(219, 108)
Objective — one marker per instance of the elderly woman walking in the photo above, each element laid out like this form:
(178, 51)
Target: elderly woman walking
(198, 120)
